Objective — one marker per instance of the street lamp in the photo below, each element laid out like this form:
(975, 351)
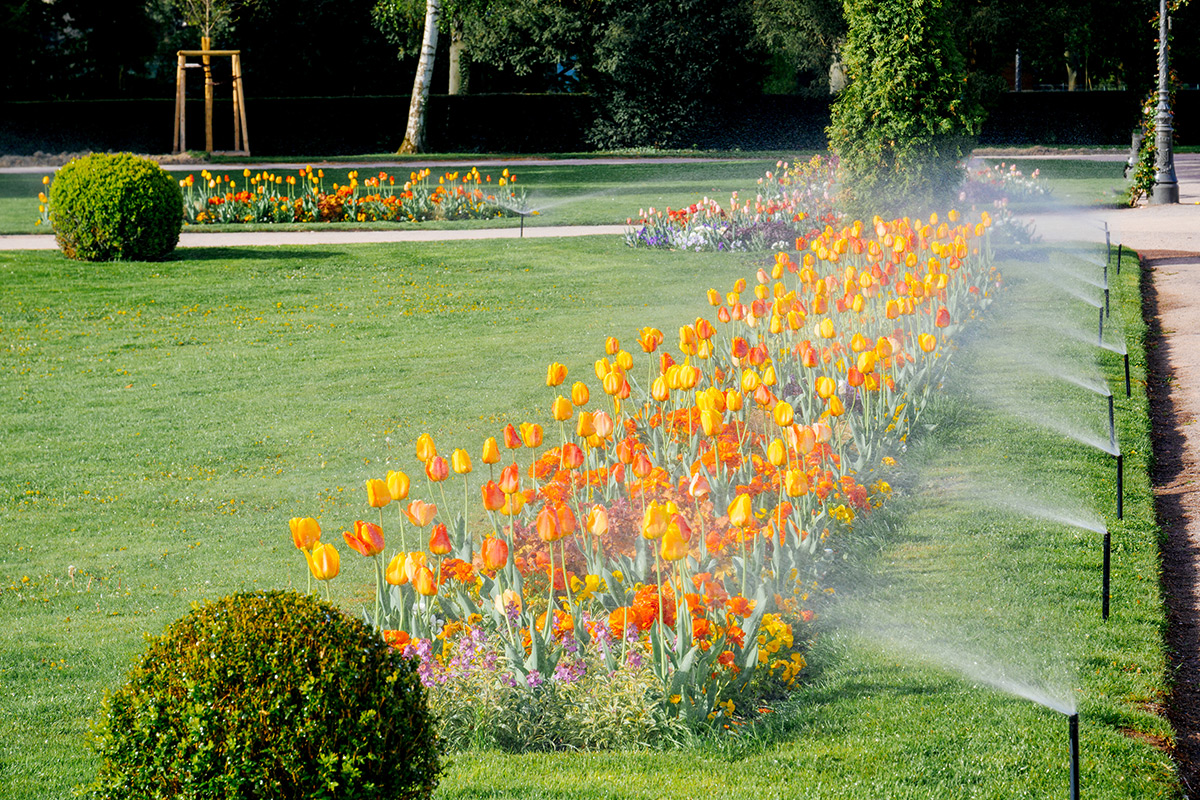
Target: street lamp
(1166, 188)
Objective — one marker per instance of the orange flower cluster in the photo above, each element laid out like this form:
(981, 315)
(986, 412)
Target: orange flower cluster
(267, 197)
(729, 465)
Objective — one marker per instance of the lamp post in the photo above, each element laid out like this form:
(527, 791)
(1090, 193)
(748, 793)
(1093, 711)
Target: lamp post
(1166, 188)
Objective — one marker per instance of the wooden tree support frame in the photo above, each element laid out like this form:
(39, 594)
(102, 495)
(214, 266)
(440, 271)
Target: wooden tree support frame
(241, 140)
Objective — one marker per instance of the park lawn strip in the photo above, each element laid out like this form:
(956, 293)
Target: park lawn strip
(164, 421)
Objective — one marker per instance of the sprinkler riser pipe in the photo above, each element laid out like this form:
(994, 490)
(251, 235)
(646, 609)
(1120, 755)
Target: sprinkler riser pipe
(1073, 736)
(1120, 247)
(1120, 486)
(1112, 430)
(1106, 575)
(1127, 388)
(1100, 328)
(1107, 312)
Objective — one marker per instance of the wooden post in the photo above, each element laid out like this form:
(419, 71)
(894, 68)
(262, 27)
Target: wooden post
(237, 105)
(180, 98)
(205, 44)
(240, 101)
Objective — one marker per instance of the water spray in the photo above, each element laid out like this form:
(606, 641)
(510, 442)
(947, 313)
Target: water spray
(1107, 242)
(1073, 735)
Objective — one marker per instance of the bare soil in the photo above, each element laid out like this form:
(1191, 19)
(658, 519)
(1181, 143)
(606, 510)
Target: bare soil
(1173, 385)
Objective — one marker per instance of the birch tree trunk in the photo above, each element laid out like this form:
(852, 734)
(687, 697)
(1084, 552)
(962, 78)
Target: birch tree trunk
(414, 135)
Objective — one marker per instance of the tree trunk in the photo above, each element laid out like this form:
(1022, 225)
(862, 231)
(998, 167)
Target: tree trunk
(1072, 71)
(414, 135)
(458, 73)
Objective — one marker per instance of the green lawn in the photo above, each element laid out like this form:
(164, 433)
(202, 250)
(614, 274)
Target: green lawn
(163, 421)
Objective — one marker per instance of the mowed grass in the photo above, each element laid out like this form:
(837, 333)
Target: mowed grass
(164, 421)
(563, 194)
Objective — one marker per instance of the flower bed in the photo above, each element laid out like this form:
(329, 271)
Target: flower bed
(791, 201)
(672, 540)
(268, 197)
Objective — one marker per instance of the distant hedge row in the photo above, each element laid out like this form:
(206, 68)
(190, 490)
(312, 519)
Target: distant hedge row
(522, 123)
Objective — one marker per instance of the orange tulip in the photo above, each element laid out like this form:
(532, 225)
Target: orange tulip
(740, 511)
(510, 479)
(366, 539)
(394, 574)
(377, 493)
(651, 338)
(436, 469)
(531, 434)
(674, 545)
(611, 345)
(495, 553)
(660, 390)
(603, 423)
(306, 532)
(325, 562)
(397, 483)
(439, 540)
(424, 582)
(698, 486)
(425, 448)
(597, 521)
(836, 408)
(579, 393)
(562, 409)
(420, 513)
(567, 523)
(655, 521)
(493, 498)
(512, 439)
(460, 462)
(491, 451)
(547, 525)
(584, 426)
(784, 414)
(555, 374)
(572, 455)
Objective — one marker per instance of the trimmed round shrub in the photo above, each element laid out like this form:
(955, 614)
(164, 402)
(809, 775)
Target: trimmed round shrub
(267, 695)
(115, 206)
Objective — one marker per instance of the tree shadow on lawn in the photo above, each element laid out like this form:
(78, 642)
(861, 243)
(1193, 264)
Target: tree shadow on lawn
(251, 253)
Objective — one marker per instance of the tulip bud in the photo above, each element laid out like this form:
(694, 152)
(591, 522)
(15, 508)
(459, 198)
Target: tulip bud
(943, 317)
(378, 495)
(493, 498)
(491, 451)
(927, 342)
(659, 389)
(674, 546)
(306, 532)
(740, 511)
(439, 540)
(611, 345)
(597, 521)
(510, 479)
(655, 521)
(394, 574)
(584, 426)
(698, 486)
(603, 424)
(325, 562)
(425, 448)
(555, 374)
(641, 465)
(650, 339)
(495, 553)
(825, 387)
(775, 452)
(547, 525)
(397, 483)
(436, 469)
(579, 393)
(512, 439)
(784, 414)
(572, 455)
(424, 582)
(795, 483)
(531, 434)
(562, 409)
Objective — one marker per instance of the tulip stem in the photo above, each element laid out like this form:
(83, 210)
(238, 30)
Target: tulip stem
(550, 598)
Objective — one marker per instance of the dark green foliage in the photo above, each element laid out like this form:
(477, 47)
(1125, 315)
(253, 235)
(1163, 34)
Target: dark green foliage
(107, 207)
(906, 118)
(667, 71)
(267, 695)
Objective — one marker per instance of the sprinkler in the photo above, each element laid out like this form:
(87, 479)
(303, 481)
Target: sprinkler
(1100, 339)
(1073, 734)
(1106, 575)
(1127, 374)
(1120, 247)
(1107, 242)
(1107, 313)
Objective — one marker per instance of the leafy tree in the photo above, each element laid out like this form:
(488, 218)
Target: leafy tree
(904, 122)
(805, 34)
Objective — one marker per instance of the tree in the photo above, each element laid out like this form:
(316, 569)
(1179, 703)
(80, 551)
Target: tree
(414, 134)
(806, 33)
(906, 118)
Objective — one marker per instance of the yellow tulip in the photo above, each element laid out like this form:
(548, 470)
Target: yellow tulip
(324, 562)
(740, 512)
(378, 495)
(562, 409)
(460, 461)
(306, 532)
